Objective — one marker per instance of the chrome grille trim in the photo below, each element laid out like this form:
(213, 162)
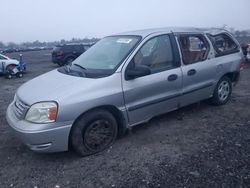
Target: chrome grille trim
(20, 108)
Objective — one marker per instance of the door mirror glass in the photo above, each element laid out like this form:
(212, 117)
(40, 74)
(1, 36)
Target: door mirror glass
(137, 71)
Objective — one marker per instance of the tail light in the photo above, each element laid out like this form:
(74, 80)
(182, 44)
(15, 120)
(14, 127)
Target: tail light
(59, 53)
(242, 63)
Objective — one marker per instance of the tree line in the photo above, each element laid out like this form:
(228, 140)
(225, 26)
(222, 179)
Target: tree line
(37, 43)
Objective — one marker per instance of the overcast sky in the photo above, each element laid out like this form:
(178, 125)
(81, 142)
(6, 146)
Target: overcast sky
(49, 20)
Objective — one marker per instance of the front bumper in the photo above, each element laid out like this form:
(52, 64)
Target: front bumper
(38, 137)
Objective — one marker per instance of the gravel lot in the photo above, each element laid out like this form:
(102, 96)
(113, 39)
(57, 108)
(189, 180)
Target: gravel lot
(197, 146)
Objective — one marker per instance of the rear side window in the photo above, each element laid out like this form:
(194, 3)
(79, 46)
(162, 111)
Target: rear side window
(223, 44)
(57, 48)
(194, 48)
(78, 48)
(68, 48)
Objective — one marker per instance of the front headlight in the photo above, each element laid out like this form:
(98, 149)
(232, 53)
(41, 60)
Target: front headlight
(43, 112)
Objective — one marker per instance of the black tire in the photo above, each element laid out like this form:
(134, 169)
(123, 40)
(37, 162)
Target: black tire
(85, 136)
(222, 91)
(19, 75)
(8, 76)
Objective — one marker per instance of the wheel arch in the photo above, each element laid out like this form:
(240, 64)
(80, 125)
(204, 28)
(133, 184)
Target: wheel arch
(215, 99)
(233, 76)
(118, 115)
(10, 64)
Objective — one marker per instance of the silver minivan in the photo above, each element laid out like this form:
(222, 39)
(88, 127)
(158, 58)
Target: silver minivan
(121, 81)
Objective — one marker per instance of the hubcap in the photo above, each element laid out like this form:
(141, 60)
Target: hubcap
(223, 90)
(98, 135)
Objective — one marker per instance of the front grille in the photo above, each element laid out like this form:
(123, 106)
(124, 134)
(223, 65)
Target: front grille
(20, 108)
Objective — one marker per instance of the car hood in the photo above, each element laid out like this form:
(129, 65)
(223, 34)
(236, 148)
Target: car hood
(11, 61)
(56, 86)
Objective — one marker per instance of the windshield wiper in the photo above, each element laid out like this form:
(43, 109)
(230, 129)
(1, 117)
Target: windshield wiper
(80, 66)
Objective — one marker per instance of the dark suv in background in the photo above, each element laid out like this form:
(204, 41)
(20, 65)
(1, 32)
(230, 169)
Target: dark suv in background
(65, 54)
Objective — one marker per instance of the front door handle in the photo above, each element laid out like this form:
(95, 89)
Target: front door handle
(191, 72)
(172, 77)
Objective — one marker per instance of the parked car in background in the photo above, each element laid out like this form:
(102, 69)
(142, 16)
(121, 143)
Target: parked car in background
(248, 53)
(124, 80)
(11, 67)
(65, 54)
(10, 50)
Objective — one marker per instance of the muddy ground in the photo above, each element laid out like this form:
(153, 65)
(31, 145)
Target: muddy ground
(197, 146)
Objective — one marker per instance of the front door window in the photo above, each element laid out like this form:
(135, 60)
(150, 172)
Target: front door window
(156, 54)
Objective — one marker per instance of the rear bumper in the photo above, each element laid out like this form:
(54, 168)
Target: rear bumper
(40, 140)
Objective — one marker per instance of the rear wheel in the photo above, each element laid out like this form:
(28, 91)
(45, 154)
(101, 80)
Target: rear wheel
(19, 75)
(222, 91)
(93, 132)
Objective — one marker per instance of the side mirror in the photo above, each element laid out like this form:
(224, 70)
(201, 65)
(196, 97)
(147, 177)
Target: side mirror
(137, 71)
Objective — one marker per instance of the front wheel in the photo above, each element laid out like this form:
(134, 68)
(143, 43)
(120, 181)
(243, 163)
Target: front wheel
(222, 91)
(93, 132)
(19, 75)
(8, 76)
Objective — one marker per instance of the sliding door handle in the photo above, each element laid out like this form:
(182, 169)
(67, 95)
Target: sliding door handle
(172, 77)
(191, 72)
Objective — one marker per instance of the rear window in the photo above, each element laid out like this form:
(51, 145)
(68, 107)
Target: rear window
(68, 47)
(223, 44)
(57, 48)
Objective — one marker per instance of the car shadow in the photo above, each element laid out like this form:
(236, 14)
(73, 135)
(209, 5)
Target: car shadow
(178, 114)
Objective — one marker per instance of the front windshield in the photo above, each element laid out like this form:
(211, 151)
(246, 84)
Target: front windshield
(108, 53)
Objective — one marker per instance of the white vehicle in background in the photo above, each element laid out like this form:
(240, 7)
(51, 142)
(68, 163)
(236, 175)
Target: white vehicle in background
(7, 62)
(9, 67)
